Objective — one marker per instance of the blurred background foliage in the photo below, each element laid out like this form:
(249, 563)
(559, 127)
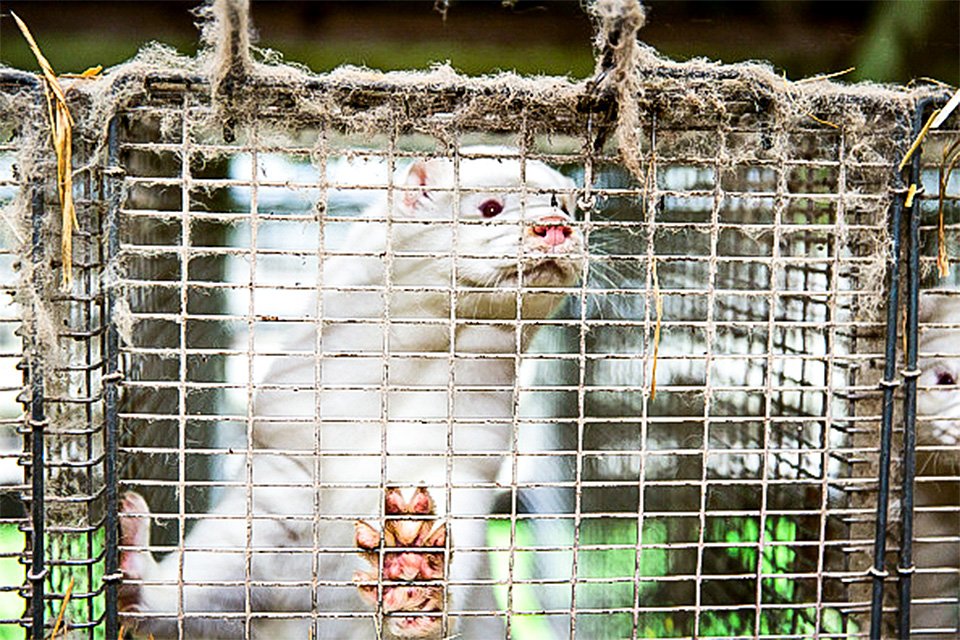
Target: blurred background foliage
(888, 41)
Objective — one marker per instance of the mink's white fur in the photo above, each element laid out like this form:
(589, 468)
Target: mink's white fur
(938, 394)
(425, 299)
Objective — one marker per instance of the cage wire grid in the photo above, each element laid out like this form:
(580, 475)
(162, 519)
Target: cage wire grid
(931, 530)
(740, 500)
(14, 423)
(60, 430)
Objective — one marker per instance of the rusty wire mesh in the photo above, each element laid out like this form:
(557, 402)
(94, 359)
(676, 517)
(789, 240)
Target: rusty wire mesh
(935, 598)
(12, 514)
(750, 474)
(742, 273)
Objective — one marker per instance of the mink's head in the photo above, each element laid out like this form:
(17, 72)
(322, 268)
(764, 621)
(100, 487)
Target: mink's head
(491, 222)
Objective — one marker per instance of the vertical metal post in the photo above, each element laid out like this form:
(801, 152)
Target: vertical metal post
(905, 566)
(889, 384)
(38, 421)
(111, 381)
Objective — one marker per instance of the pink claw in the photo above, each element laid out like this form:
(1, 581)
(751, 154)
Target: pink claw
(367, 537)
(134, 532)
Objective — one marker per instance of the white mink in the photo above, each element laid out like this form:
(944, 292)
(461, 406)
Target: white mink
(936, 518)
(516, 236)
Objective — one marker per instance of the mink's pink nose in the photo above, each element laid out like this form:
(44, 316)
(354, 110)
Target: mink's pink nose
(552, 234)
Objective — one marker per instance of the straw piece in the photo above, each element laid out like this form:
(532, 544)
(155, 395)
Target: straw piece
(903, 338)
(826, 76)
(61, 128)
(948, 161)
(658, 302)
(822, 121)
(911, 192)
(45, 67)
(63, 607)
(932, 81)
(918, 140)
(92, 72)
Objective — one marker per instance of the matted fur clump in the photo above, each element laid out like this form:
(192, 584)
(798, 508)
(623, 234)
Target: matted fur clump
(633, 88)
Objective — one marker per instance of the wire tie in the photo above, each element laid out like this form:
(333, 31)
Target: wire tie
(39, 424)
(907, 571)
(911, 373)
(112, 578)
(587, 201)
(878, 573)
(893, 384)
(116, 376)
(37, 577)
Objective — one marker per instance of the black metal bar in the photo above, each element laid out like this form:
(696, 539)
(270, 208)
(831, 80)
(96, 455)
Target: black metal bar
(38, 421)
(905, 566)
(17, 78)
(88, 276)
(111, 381)
(889, 384)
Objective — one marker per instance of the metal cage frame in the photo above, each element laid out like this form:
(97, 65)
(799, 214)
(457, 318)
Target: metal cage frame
(103, 191)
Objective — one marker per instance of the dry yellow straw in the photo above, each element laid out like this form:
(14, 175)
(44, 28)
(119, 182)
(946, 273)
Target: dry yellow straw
(61, 128)
(903, 339)
(92, 72)
(948, 161)
(658, 302)
(822, 121)
(826, 76)
(919, 140)
(63, 607)
(939, 83)
(911, 193)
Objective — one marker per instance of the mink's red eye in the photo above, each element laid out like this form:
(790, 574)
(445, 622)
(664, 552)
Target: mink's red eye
(491, 208)
(945, 378)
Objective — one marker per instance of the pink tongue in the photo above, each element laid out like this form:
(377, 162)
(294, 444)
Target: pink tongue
(554, 236)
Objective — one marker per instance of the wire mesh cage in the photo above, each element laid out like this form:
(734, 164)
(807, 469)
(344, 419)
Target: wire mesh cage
(54, 556)
(935, 597)
(367, 355)
(12, 514)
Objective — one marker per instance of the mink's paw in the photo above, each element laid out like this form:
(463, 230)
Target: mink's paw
(134, 532)
(411, 525)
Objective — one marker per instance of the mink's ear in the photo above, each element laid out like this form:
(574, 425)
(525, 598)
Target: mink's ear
(426, 174)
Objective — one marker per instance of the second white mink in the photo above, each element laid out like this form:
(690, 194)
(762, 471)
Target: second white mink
(939, 363)
(423, 302)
